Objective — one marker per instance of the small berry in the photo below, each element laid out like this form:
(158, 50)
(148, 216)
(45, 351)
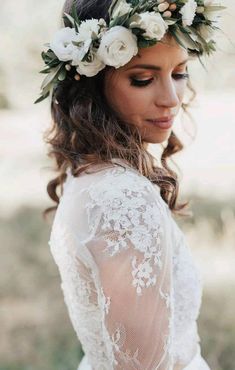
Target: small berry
(172, 7)
(162, 7)
(167, 14)
(77, 77)
(68, 67)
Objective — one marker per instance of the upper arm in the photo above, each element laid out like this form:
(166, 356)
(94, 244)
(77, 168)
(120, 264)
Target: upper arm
(131, 247)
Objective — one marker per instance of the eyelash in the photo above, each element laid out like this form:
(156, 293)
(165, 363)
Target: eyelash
(143, 83)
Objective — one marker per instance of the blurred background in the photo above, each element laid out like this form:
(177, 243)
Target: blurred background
(36, 332)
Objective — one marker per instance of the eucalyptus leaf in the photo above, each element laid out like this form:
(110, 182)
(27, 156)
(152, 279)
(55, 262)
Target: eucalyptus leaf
(133, 2)
(74, 14)
(54, 63)
(184, 35)
(137, 31)
(173, 32)
(51, 76)
(42, 97)
(70, 18)
(119, 21)
(143, 43)
(46, 70)
(111, 8)
(215, 8)
(170, 22)
(62, 75)
(116, 4)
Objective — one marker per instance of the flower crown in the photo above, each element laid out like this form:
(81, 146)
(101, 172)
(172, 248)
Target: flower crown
(88, 46)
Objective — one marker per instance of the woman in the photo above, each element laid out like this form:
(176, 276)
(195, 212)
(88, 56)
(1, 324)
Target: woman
(119, 72)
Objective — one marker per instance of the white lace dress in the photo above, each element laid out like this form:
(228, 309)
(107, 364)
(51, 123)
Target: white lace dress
(130, 284)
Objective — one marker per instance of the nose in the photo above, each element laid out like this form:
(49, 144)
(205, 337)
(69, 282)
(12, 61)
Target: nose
(166, 95)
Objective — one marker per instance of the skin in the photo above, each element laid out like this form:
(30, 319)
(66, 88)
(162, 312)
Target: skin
(163, 96)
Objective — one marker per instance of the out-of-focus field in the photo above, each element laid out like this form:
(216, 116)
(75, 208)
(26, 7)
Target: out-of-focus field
(36, 333)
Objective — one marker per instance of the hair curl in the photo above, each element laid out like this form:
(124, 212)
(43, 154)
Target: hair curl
(86, 131)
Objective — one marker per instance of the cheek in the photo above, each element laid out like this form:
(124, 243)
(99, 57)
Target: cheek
(127, 102)
(180, 90)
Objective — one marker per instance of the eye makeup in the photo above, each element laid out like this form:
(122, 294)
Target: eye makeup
(145, 82)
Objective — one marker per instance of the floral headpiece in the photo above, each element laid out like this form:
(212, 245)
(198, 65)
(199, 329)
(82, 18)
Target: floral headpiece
(86, 47)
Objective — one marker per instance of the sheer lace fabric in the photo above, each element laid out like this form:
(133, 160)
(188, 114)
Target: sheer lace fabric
(130, 284)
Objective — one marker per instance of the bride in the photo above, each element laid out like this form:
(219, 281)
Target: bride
(117, 73)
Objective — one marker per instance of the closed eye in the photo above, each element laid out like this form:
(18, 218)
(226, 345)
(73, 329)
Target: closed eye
(180, 76)
(142, 83)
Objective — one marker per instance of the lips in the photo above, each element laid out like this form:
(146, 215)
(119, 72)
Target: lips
(162, 122)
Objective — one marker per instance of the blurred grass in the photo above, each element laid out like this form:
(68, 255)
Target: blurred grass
(36, 330)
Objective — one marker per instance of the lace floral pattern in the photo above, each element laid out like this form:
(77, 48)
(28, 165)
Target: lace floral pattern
(136, 222)
(124, 213)
(124, 210)
(80, 297)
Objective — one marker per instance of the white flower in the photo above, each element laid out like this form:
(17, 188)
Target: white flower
(87, 32)
(92, 67)
(151, 22)
(80, 51)
(62, 45)
(118, 46)
(88, 29)
(121, 8)
(188, 12)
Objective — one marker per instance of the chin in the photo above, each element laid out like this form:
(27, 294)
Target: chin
(158, 138)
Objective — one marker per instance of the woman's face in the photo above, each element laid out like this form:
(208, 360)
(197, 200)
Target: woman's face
(150, 88)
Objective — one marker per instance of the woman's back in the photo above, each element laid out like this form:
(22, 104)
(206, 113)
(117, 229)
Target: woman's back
(132, 289)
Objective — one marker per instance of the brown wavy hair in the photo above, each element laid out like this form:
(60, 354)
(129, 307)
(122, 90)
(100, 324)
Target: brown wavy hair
(86, 131)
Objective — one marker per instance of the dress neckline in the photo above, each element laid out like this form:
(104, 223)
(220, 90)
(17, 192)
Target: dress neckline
(122, 162)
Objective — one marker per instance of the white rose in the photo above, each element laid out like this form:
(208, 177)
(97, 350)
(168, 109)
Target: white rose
(151, 22)
(188, 12)
(121, 8)
(62, 45)
(91, 68)
(118, 46)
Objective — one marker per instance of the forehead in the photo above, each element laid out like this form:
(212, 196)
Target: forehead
(166, 54)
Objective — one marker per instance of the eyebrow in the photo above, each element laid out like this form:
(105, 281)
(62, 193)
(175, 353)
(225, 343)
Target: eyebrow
(156, 68)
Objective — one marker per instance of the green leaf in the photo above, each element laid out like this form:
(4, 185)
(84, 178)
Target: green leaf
(143, 43)
(75, 14)
(173, 32)
(70, 18)
(170, 21)
(111, 8)
(48, 56)
(62, 75)
(41, 98)
(119, 21)
(46, 70)
(137, 31)
(215, 8)
(51, 76)
(184, 34)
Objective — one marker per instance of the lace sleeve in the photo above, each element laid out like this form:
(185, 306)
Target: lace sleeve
(130, 244)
